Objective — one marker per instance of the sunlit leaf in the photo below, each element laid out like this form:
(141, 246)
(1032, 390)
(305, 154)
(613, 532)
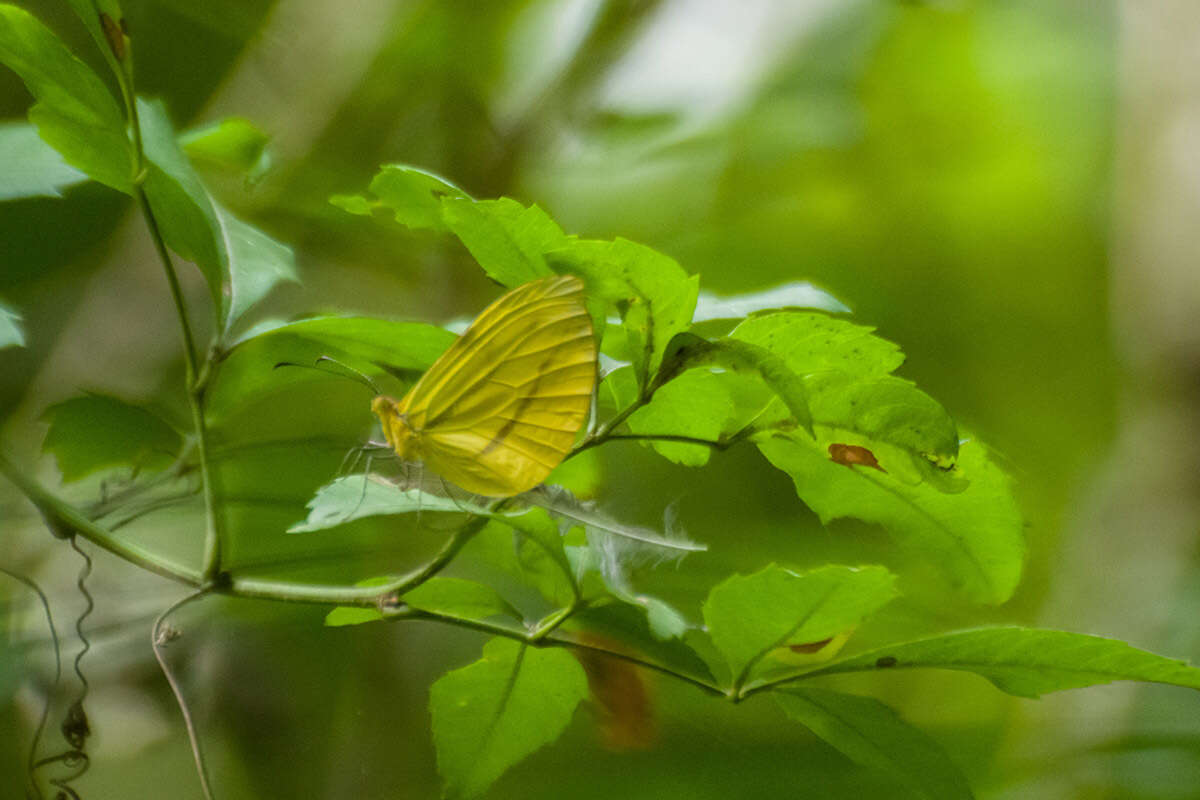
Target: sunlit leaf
(653, 294)
(687, 351)
(975, 536)
(94, 431)
(884, 409)
(74, 113)
(749, 615)
(871, 734)
(491, 714)
(812, 342)
(413, 195)
(1026, 662)
(31, 168)
(696, 404)
(507, 239)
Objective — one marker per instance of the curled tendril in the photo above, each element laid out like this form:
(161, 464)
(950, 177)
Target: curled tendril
(32, 763)
(76, 761)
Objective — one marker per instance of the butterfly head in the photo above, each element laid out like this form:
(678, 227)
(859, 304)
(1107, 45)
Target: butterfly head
(396, 430)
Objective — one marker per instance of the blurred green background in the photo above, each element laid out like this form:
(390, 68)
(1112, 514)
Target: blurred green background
(1003, 188)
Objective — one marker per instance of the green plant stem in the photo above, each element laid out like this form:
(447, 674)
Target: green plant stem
(61, 515)
(195, 392)
(357, 595)
(605, 431)
(533, 639)
(547, 625)
(195, 388)
(159, 637)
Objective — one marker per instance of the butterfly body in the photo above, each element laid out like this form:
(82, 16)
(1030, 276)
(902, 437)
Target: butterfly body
(502, 406)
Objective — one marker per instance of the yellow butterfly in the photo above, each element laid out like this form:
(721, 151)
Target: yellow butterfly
(501, 407)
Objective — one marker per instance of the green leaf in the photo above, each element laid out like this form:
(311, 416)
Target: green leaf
(181, 204)
(797, 294)
(461, 599)
(885, 409)
(256, 264)
(414, 195)
(533, 554)
(234, 144)
(354, 497)
(352, 615)
(695, 404)
(248, 370)
(749, 615)
(653, 294)
(11, 333)
(31, 168)
(628, 628)
(505, 237)
(357, 615)
(540, 554)
(687, 351)
(871, 734)
(94, 431)
(74, 113)
(975, 536)
(240, 263)
(811, 342)
(1026, 662)
(491, 714)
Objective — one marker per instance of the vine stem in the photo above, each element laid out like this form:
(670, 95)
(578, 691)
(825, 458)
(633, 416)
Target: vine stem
(194, 373)
(63, 516)
(31, 762)
(536, 638)
(159, 637)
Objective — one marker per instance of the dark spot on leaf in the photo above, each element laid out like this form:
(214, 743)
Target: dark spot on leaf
(883, 662)
(114, 34)
(810, 647)
(851, 454)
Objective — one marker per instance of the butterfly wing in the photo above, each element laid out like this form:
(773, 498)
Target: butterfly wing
(502, 406)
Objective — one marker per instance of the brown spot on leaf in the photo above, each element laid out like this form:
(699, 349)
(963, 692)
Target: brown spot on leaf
(810, 647)
(115, 35)
(851, 454)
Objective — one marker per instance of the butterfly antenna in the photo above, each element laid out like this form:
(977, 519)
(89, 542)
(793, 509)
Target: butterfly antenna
(355, 375)
(362, 376)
